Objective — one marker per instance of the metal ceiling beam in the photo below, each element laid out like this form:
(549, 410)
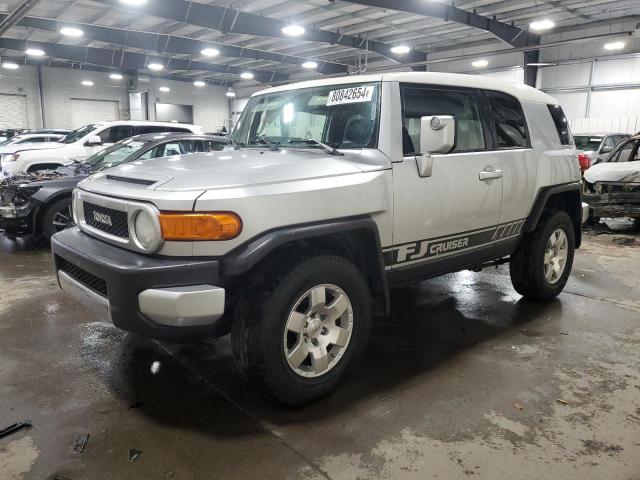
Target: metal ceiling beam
(176, 44)
(123, 60)
(229, 20)
(510, 34)
(17, 15)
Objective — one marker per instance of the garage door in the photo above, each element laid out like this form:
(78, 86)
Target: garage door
(13, 111)
(93, 111)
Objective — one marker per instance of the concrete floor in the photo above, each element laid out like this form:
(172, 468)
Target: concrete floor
(465, 380)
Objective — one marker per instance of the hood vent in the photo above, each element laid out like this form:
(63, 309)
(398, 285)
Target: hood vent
(137, 181)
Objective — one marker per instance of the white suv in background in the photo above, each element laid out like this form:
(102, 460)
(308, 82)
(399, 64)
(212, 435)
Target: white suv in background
(82, 143)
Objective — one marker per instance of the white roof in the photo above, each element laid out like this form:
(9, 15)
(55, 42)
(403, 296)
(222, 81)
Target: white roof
(141, 122)
(519, 90)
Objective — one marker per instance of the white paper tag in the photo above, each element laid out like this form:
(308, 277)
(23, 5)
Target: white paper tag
(351, 95)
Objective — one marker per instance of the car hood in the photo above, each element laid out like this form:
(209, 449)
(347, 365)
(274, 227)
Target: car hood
(246, 167)
(613, 172)
(29, 146)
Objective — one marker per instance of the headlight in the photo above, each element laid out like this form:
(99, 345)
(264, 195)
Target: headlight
(13, 157)
(145, 231)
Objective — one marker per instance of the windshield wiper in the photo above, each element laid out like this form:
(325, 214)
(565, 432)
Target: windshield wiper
(324, 146)
(272, 145)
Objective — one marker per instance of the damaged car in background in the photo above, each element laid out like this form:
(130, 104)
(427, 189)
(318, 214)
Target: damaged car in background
(612, 187)
(40, 202)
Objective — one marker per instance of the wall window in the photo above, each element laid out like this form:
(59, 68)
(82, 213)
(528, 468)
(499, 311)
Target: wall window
(507, 121)
(562, 124)
(420, 102)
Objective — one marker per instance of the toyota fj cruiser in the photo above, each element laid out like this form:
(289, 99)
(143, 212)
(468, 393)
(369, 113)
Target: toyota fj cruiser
(336, 191)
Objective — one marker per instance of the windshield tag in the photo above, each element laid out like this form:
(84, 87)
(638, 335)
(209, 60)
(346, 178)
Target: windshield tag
(350, 95)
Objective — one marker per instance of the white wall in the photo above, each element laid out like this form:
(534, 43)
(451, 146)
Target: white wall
(210, 104)
(24, 82)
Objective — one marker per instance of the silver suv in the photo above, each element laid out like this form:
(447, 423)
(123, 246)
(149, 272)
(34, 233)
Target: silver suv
(336, 191)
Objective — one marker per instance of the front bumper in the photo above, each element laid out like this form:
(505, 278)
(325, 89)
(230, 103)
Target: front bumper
(16, 220)
(164, 298)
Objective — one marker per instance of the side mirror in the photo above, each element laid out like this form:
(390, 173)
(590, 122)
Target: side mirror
(606, 149)
(437, 135)
(93, 141)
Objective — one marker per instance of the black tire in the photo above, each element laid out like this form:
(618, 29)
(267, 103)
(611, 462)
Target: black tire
(258, 331)
(50, 218)
(527, 263)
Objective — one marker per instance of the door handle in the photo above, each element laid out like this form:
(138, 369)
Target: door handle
(490, 174)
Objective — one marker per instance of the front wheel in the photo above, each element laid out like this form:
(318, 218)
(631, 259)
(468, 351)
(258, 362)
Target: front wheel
(541, 265)
(57, 217)
(304, 331)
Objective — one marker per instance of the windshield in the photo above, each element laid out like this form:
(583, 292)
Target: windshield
(77, 134)
(8, 141)
(114, 155)
(587, 142)
(342, 116)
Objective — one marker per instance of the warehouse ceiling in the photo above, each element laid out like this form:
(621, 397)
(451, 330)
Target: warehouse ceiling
(340, 36)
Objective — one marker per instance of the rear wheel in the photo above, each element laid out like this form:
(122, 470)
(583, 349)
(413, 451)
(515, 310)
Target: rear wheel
(541, 266)
(305, 331)
(57, 217)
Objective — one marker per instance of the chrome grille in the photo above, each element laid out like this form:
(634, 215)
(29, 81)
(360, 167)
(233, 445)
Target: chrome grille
(108, 220)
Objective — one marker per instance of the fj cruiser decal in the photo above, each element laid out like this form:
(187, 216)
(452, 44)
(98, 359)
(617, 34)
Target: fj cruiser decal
(424, 250)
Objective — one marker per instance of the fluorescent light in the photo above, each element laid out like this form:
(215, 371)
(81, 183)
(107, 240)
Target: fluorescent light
(71, 32)
(210, 52)
(246, 75)
(541, 64)
(230, 93)
(115, 76)
(10, 66)
(310, 65)
(34, 52)
(164, 89)
(87, 83)
(293, 30)
(544, 24)
(400, 49)
(614, 46)
(135, 3)
(199, 83)
(480, 63)
(155, 66)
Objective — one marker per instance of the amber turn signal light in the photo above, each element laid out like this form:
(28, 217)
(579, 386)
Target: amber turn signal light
(200, 226)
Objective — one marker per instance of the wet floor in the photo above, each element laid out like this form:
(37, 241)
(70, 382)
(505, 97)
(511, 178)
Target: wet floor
(466, 379)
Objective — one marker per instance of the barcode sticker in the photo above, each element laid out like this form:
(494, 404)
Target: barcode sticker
(350, 95)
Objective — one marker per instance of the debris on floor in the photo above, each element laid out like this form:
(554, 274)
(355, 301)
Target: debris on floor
(624, 240)
(14, 428)
(563, 402)
(134, 454)
(81, 442)
(155, 367)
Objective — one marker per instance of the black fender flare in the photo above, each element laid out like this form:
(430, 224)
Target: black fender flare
(542, 199)
(244, 257)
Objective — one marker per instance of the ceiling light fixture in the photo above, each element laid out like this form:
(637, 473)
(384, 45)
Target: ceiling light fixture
(34, 52)
(115, 76)
(400, 49)
(199, 83)
(135, 3)
(164, 89)
(71, 32)
(541, 64)
(246, 75)
(293, 30)
(310, 65)
(544, 24)
(155, 66)
(230, 93)
(87, 83)
(480, 63)
(614, 46)
(210, 52)
(10, 66)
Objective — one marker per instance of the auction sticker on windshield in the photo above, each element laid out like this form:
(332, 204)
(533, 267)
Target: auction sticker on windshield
(350, 95)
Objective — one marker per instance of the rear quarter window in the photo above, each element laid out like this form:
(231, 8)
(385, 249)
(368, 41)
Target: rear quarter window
(561, 123)
(507, 121)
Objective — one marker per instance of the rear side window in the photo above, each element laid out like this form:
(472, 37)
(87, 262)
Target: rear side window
(561, 123)
(507, 121)
(462, 105)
